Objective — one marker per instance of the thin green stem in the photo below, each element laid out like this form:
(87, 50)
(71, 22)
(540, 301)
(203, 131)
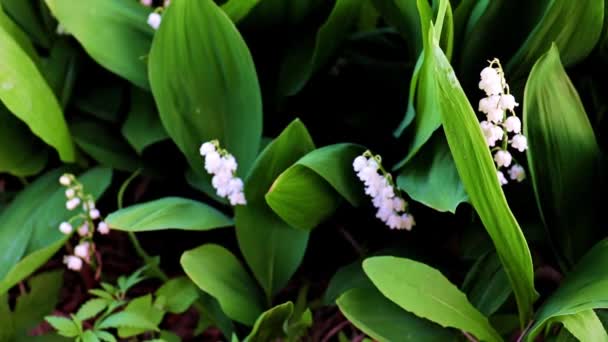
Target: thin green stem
(124, 186)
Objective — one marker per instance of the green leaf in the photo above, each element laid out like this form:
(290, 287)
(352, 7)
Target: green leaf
(478, 175)
(384, 321)
(179, 294)
(309, 191)
(346, 278)
(126, 319)
(574, 26)
(6, 324)
(431, 177)
(89, 336)
(561, 144)
(21, 154)
(585, 326)
(400, 281)
(104, 144)
(18, 35)
(143, 307)
(583, 289)
(270, 326)
(313, 51)
(168, 213)
(27, 15)
(91, 308)
(24, 91)
(404, 15)
(218, 272)
(275, 257)
(32, 307)
(223, 101)
(61, 69)
(101, 24)
(486, 284)
(142, 127)
(238, 9)
(29, 225)
(65, 327)
(105, 336)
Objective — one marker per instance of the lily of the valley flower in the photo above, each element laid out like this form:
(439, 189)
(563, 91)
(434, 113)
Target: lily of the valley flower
(222, 165)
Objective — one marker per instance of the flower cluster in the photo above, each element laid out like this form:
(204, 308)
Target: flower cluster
(155, 18)
(498, 129)
(222, 165)
(84, 221)
(385, 196)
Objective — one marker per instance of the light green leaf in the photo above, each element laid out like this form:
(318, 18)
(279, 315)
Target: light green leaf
(478, 175)
(114, 33)
(105, 336)
(143, 307)
(65, 327)
(586, 287)
(309, 191)
(400, 280)
(561, 144)
(313, 51)
(178, 293)
(142, 127)
(271, 324)
(21, 154)
(221, 101)
(168, 213)
(574, 26)
(585, 326)
(89, 336)
(104, 144)
(275, 257)
(126, 319)
(431, 177)
(91, 308)
(384, 321)
(238, 9)
(24, 91)
(218, 272)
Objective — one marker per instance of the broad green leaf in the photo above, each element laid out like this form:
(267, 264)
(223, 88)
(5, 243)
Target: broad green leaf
(143, 307)
(168, 213)
(431, 177)
(142, 127)
(29, 224)
(561, 144)
(29, 265)
(346, 278)
(313, 51)
(21, 154)
(384, 321)
(114, 33)
(24, 91)
(574, 26)
(271, 324)
(586, 287)
(405, 282)
(310, 190)
(238, 9)
(104, 144)
(32, 307)
(65, 327)
(218, 272)
(18, 35)
(104, 98)
(478, 175)
(126, 319)
(221, 101)
(585, 326)
(61, 68)
(486, 284)
(178, 293)
(27, 15)
(91, 308)
(275, 257)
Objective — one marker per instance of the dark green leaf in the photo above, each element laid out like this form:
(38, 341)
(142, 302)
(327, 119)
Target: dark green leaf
(431, 177)
(221, 101)
(270, 325)
(114, 33)
(238, 9)
(561, 144)
(61, 69)
(384, 321)
(347, 278)
(399, 280)
(168, 213)
(142, 127)
(218, 272)
(486, 284)
(275, 257)
(26, 14)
